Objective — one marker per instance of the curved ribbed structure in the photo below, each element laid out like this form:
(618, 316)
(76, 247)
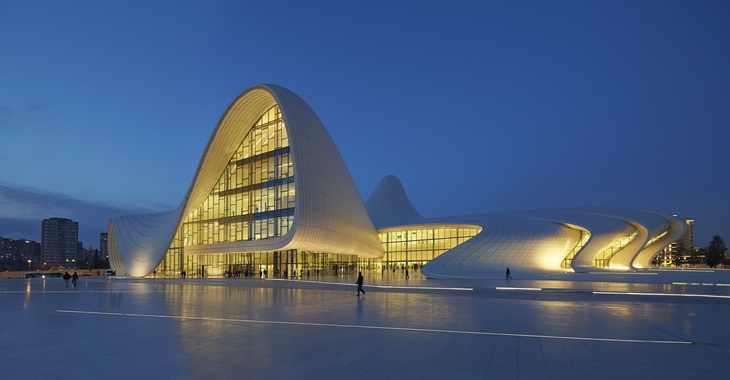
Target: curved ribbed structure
(541, 240)
(272, 194)
(138, 242)
(581, 239)
(327, 215)
(389, 205)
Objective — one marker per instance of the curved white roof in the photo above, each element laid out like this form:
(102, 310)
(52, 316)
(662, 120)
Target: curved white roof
(536, 240)
(329, 215)
(389, 205)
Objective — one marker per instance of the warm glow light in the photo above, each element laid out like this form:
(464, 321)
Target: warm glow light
(621, 267)
(422, 243)
(585, 235)
(372, 286)
(603, 259)
(623, 273)
(663, 294)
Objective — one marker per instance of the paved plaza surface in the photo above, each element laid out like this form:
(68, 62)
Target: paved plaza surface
(673, 325)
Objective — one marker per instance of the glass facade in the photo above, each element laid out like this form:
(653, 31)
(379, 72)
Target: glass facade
(603, 259)
(585, 235)
(254, 199)
(418, 245)
(270, 264)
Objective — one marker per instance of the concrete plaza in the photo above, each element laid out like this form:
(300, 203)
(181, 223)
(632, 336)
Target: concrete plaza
(660, 325)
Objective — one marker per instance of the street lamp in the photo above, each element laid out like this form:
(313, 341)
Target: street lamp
(29, 265)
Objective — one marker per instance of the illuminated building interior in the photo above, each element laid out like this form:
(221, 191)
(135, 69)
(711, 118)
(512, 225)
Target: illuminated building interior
(585, 235)
(603, 260)
(420, 244)
(272, 196)
(253, 199)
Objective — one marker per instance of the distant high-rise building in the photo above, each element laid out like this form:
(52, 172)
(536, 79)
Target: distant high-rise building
(686, 241)
(29, 250)
(7, 249)
(679, 250)
(19, 251)
(59, 242)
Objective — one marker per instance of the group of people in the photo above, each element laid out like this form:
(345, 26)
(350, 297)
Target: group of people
(73, 278)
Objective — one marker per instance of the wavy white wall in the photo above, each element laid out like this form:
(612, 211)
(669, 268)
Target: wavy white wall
(329, 214)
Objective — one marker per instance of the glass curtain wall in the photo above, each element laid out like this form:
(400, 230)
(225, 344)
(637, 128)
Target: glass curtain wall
(413, 248)
(603, 259)
(585, 235)
(253, 199)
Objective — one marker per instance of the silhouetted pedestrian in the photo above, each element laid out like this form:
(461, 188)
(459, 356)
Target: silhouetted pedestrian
(74, 278)
(508, 275)
(407, 276)
(359, 284)
(66, 277)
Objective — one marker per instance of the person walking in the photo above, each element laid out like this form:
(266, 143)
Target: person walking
(359, 284)
(508, 275)
(66, 277)
(74, 278)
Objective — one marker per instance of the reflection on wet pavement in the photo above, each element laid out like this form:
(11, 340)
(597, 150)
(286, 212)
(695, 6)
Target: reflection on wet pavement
(252, 328)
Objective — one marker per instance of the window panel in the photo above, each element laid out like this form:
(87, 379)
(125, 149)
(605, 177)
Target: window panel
(246, 187)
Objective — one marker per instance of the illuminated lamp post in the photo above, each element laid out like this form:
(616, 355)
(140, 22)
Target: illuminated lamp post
(29, 265)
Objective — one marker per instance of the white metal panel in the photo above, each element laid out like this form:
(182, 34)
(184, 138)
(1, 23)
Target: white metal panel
(329, 214)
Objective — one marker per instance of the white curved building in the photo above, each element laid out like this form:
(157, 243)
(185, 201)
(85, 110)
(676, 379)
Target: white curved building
(272, 195)
(270, 180)
(583, 240)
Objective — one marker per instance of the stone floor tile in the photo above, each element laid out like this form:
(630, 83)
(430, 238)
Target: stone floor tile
(246, 328)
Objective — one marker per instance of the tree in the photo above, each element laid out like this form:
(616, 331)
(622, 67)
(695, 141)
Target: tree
(715, 252)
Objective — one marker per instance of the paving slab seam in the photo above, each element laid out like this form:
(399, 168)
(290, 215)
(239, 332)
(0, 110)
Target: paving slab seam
(559, 290)
(663, 294)
(392, 328)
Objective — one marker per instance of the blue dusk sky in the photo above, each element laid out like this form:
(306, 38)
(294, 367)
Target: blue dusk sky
(477, 106)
